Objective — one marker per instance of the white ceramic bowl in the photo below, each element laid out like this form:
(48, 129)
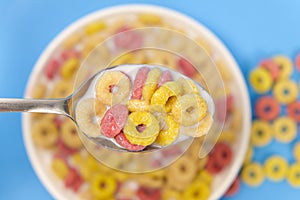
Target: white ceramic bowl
(222, 181)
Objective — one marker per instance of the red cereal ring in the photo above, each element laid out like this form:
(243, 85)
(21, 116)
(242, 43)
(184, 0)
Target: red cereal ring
(145, 193)
(186, 67)
(267, 108)
(213, 166)
(165, 77)
(297, 62)
(293, 111)
(222, 153)
(128, 39)
(52, 68)
(123, 141)
(272, 67)
(139, 82)
(234, 188)
(73, 180)
(114, 120)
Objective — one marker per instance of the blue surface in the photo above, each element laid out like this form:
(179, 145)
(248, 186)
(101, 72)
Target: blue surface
(252, 30)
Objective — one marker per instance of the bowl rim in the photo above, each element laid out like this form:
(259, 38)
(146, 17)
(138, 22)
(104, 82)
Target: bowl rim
(104, 12)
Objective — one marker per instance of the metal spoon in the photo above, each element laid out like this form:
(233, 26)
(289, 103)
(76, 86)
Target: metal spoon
(67, 106)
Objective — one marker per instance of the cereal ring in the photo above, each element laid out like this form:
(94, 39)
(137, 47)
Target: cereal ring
(113, 87)
(253, 174)
(285, 129)
(62, 89)
(70, 53)
(145, 193)
(212, 166)
(186, 67)
(261, 133)
(151, 83)
(95, 27)
(170, 103)
(153, 179)
(123, 141)
(293, 110)
(148, 135)
(149, 19)
(189, 109)
(169, 194)
(272, 67)
(169, 134)
(293, 177)
(205, 177)
(85, 115)
(138, 105)
(222, 153)
(164, 93)
(44, 133)
(297, 62)
(261, 80)
(60, 168)
(285, 66)
(52, 68)
(227, 136)
(276, 168)
(285, 91)
(139, 82)
(103, 186)
(69, 135)
(267, 108)
(188, 86)
(234, 188)
(165, 77)
(100, 108)
(204, 126)
(69, 68)
(114, 120)
(127, 39)
(196, 190)
(73, 180)
(296, 152)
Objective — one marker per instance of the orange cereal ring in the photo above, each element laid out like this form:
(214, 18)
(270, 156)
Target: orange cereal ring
(272, 67)
(267, 108)
(293, 110)
(222, 153)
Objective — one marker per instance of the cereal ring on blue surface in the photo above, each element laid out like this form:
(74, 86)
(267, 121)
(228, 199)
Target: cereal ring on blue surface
(261, 133)
(285, 91)
(253, 174)
(276, 168)
(285, 129)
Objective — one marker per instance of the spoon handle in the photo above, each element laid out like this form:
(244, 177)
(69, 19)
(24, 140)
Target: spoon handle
(56, 106)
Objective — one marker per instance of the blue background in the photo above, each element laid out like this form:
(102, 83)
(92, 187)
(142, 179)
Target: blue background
(251, 30)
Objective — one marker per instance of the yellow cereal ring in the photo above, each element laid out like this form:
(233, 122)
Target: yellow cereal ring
(60, 168)
(285, 129)
(188, 86)
(253, 174)
(261, 80)
(44, 133)
(153, 179)
(197, 190)
(205, 177)
(149, 19)
(113, 87)
(164, 93)
(169, 194)
(95, 27)
(148, 135)
(137, 105)
(62, 89)
(170, 103)
(39, 91)
(228, 136)
(285, 91)
(151, 83)
(169, 134)
(69, 68)
(293, 177)
(103, 186)
(285, 66)
(69, 135)
(189, 109)
(100, 108)
(276, 168)
(296, 152)
(261, 133)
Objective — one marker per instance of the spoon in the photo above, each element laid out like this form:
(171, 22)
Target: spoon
(67, 106)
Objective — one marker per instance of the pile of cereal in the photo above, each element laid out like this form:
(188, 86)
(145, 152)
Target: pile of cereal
(277, 116)
(187, 178)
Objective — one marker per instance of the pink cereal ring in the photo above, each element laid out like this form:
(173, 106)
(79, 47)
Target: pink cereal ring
(128, 39)
(165, 77)
(186, 67)
(139, 82)
(272, 67)
(122, 140)
(114, 120)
